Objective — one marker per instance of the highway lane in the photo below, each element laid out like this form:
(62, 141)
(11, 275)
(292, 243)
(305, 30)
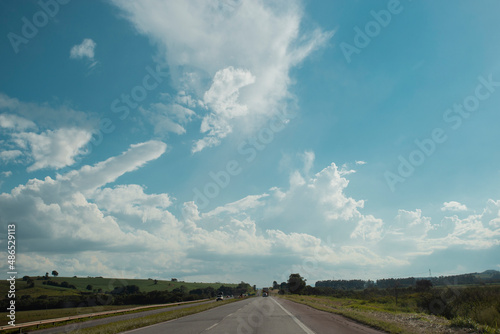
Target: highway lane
(325, 322)
(260, 315)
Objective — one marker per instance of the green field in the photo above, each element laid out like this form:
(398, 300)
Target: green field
(106, 284)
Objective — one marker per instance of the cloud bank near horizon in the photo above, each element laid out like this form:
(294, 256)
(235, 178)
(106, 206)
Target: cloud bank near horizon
(83, 221)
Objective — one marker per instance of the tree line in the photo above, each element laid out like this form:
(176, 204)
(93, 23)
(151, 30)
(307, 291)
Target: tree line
(120, 295)
(357, 284)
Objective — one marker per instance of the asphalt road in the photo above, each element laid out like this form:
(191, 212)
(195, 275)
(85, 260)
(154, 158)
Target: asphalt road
(92, 323)
(262, 315)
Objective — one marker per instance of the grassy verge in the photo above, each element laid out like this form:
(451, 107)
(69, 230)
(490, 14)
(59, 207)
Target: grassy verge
(373, 315)
(35, 315)
(120, 326)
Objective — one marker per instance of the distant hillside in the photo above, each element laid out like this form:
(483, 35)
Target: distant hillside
(145, 285)
(100, 285)
(488, 274)
(39, 293)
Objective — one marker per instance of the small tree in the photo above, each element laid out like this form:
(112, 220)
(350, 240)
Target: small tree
(55, 273)
(296, 283)
(243, 288)
(130, 289)
(89, 287)
(30, 282)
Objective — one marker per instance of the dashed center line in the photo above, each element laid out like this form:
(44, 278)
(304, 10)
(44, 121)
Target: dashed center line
(227, 316)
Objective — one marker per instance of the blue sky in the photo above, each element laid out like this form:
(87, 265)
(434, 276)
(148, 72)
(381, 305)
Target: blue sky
(244, 140)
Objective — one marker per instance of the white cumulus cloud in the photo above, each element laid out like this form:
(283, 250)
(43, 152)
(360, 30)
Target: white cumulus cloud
(222, 99)
(453, 206)
(78, 222)
(41, 135)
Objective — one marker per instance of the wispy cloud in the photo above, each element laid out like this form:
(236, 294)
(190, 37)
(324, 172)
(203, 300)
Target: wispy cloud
(168, 117)
(10, 155)
(244, 51)
(16, 123)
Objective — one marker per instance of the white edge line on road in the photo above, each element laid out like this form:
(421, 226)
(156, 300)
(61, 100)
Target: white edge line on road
(297, 321)
(209, 328)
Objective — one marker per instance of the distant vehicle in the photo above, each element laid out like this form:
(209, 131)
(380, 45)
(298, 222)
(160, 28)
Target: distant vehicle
(220, 296)
(265, 292)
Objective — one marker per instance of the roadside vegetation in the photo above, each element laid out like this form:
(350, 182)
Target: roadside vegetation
(420, 308)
